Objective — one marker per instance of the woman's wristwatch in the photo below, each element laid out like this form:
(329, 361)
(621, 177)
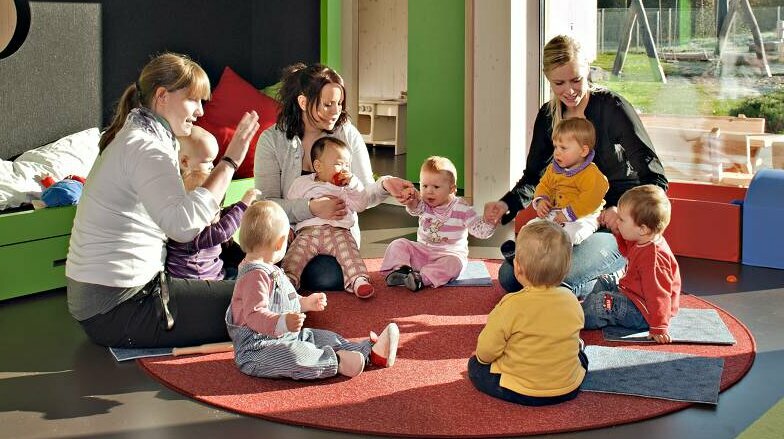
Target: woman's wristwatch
(231, 162)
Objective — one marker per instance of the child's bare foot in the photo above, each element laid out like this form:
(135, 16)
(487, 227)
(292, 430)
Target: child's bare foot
(362, 288)
(350, 363)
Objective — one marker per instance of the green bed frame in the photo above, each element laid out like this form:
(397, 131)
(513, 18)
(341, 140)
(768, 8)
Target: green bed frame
(34, 245)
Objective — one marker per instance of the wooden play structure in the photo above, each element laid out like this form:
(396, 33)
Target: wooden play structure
(713, 149)
(726, 10)
(636, 14)
(725, 19)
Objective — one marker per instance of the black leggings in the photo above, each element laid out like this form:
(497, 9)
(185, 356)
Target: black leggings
(197, 308)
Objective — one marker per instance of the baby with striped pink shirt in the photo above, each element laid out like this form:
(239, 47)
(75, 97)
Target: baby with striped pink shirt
(441, 250)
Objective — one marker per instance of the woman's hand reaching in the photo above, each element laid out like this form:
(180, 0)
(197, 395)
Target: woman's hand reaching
(494, 210)
(609, 218)
(398, 188)
(246, 129)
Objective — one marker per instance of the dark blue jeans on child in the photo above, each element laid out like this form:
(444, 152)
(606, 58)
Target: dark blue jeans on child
(490, 383)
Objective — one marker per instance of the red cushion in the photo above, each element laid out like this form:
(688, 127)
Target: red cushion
(230, 100)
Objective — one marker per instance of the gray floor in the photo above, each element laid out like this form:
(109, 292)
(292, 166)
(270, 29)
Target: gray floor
(54, 383)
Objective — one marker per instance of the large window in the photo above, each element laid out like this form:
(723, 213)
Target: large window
(690, 68)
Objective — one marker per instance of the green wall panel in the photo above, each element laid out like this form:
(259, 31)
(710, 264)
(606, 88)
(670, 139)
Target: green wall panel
(436, 81)
(331, 52)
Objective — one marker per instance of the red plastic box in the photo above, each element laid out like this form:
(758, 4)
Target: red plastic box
(705, 222)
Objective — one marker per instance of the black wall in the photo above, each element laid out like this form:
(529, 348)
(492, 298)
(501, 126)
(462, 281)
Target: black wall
(256, 38)
(80, 55)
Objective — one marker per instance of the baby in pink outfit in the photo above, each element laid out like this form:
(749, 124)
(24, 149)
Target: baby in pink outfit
(441, 250)
(331, 160)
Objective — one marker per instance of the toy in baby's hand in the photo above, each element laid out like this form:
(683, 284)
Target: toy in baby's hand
(341, 178)
(62, 193)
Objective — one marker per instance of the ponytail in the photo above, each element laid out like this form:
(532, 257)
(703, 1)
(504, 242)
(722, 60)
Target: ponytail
(128, 101)
(171, 71)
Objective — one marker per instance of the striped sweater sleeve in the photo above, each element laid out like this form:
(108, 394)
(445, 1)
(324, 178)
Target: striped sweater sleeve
(220, 232)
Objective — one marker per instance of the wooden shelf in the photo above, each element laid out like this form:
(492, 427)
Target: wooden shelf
(383, 122)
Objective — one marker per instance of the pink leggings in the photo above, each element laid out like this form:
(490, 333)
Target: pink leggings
(436, 268)
(325, 240)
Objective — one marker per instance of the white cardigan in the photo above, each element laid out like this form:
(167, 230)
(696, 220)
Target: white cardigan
(133, 200)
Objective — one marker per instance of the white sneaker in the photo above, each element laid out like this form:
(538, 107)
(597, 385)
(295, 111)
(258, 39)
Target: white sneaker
(350, 363)
(384, 352)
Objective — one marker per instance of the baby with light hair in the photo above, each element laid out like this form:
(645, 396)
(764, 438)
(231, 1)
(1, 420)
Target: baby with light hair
(200, 258)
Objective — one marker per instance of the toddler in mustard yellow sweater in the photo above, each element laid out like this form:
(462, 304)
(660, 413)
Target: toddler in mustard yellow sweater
(530, 351)
(571, 191)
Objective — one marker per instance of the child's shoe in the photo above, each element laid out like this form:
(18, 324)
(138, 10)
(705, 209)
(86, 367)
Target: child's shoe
(397, 277)
(508, 251)
(362, 288)
(384, 352)
(350, 363)
(413, 281)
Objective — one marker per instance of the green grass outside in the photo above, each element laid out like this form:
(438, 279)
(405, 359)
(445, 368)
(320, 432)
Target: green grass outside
(684, 95)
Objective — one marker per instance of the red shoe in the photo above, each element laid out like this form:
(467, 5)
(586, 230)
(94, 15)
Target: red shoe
(362, 288)
(384, 352)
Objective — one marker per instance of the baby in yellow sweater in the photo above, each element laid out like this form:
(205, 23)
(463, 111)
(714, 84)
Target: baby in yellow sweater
(530, 351)
(571, 191)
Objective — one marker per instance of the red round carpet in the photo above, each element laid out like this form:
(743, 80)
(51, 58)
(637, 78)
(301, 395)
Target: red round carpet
(426, 393)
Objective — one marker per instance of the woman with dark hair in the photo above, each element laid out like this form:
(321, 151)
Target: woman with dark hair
(133, 201)
(313, 106)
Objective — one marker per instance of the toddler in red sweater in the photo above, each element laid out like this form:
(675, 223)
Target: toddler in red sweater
(648, 294)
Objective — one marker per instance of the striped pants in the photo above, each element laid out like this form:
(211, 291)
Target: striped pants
(306, 355)
(325, 240)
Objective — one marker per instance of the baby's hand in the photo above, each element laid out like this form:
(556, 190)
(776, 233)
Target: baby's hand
(543, 207)
(294, 321)
(251, 195)
(314, 302)
(411, 197)
(662, 338)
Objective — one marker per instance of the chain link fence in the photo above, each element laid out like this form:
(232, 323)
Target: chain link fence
(666, 26)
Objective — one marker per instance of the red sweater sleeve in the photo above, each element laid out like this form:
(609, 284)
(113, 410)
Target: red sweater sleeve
(657, 295)
(623, 245)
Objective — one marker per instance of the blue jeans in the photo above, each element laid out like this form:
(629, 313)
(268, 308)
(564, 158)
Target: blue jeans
(490, 383)
(606, 305)
(595, 256)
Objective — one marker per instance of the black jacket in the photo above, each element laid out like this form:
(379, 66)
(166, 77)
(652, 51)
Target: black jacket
(624, 152)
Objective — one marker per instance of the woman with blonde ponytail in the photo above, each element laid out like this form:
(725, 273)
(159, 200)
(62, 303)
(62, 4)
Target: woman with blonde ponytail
(133, 201)
(623, 152)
